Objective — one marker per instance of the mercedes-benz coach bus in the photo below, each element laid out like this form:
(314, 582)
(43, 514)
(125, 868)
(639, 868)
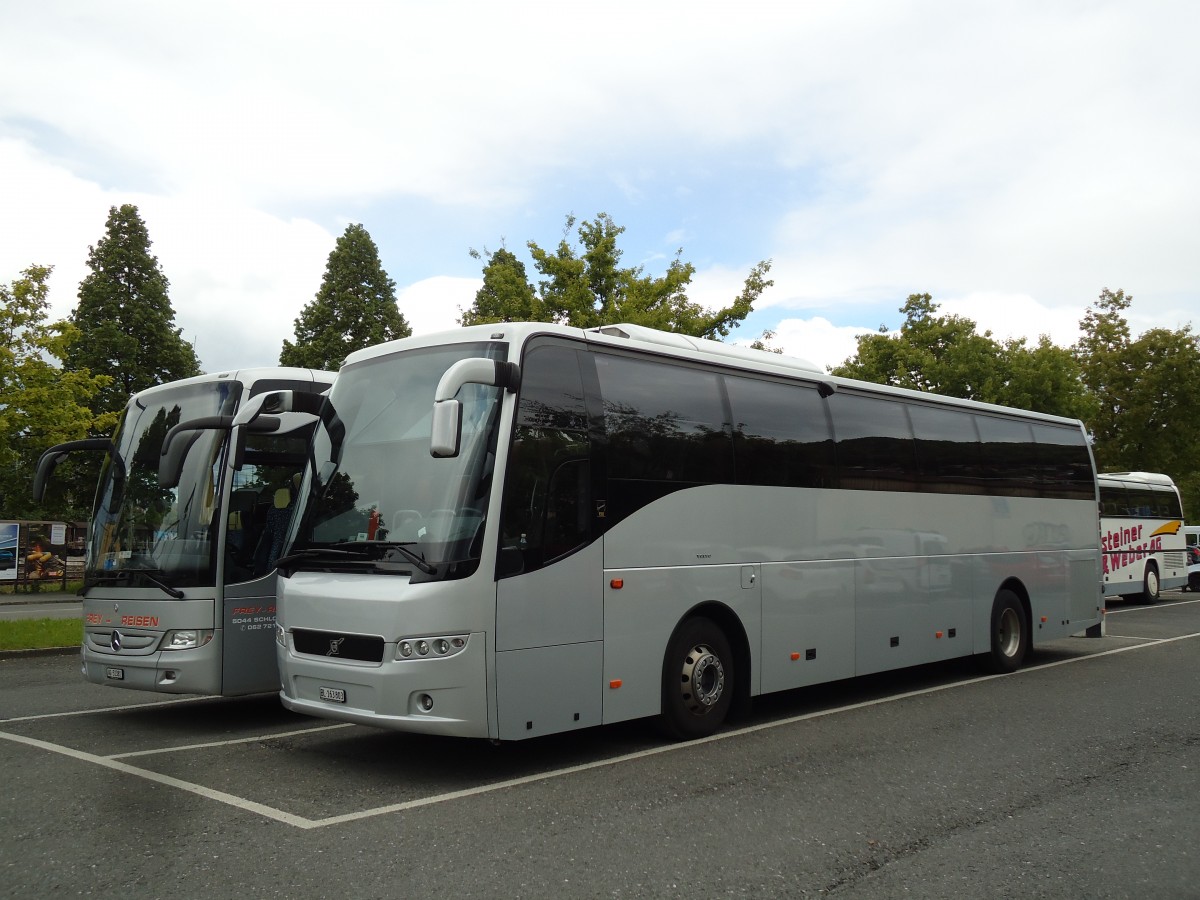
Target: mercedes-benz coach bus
(179, 578)
(518, 529)
(1142, 535)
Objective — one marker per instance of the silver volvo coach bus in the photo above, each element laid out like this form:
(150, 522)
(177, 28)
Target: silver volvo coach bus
(518, 529)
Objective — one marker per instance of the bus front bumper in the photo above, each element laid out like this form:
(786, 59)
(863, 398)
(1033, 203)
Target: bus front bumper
(426, 696)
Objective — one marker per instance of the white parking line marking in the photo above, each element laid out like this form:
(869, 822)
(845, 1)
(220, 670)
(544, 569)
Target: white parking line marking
(750, 729)
(246, 740)
(1145, 607)
(200, 790)
(108, 709)
(307, 823)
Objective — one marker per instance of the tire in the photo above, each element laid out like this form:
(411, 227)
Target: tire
(1150, 585)
(698, 680)
(1009, 641)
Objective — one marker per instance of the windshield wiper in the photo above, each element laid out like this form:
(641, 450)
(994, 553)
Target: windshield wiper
(317, 553)
(127, 575)
(398, 546)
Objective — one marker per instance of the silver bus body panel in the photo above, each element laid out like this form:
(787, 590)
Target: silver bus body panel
(142, 618)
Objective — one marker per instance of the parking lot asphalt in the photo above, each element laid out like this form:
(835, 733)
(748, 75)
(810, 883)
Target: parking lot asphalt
(1073, 777)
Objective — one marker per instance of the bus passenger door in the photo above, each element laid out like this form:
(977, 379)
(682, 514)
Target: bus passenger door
(549, 649)
(248, 663)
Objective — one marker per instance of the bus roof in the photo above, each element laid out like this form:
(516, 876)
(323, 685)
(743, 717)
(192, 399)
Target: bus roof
(680, 346)
(244, 376)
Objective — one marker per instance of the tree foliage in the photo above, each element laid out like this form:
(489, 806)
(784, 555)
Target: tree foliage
(947, 355)
(354, 308)
(1144, 390)
(126, 331)
(125, 319)
(43, 404)
(585, 285)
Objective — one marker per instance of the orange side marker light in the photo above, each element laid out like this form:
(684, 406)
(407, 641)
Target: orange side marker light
(617, 583)
(614, 684)
(795, 656)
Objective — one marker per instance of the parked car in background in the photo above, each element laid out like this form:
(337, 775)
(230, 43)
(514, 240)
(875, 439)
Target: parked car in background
(8, 559)
(1193, 569)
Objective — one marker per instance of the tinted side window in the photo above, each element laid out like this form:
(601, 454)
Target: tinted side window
(1112, 500)
(666, 430)
(875, 447)
(1009, 463)
(780, 434)
(948, 454)
(1064, 465)
(547, 507)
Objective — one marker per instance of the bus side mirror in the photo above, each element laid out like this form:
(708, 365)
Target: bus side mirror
(446, 425)
(49, 461)
(175, 447)
(445, 429)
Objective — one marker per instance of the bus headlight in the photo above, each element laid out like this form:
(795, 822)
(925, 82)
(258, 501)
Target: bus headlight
(431, 647)
(280, 635)
(186, 638)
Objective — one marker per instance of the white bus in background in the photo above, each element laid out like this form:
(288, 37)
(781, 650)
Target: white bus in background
(1141, 534)
(179, 582)
(1191, 535)
(519, 529)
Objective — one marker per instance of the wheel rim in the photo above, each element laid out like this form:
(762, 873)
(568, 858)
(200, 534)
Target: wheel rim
(703, 680)
(1151, 582)
(1008, 637)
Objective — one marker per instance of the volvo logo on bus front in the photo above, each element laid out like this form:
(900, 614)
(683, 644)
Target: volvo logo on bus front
(115, 642)
(334, 645)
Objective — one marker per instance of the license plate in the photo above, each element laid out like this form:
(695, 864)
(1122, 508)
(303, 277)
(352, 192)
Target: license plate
(333, 695)
(114, 673)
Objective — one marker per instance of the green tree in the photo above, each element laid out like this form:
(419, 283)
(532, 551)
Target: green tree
(355, 307)
(584, 285)
(1142, 390)
(945, 354)
(43, 405)
(125, 319)
(506, 295)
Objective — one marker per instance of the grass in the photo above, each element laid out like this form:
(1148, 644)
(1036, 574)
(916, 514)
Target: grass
(42, 587)
(37, 634)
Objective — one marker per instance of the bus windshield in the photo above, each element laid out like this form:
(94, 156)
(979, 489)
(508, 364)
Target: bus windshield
(373, 495)
(144, 535)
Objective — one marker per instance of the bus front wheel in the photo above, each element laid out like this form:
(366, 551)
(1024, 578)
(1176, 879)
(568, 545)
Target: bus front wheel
(1150, 588)
(698, 680)
(1009, 635)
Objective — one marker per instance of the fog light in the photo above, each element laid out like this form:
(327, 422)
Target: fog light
(425, 702)
(423, 647)
(405, 649)
(441, 646)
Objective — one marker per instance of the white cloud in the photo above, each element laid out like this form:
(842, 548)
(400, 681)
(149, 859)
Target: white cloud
(435, 304)
(817, 340)
(1012, 161)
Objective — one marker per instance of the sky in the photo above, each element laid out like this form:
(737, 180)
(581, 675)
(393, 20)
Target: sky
(1013, 160)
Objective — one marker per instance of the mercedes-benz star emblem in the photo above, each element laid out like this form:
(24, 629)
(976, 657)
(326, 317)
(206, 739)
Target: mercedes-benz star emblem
(115, 642)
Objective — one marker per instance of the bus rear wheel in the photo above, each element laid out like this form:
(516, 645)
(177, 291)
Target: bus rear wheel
(1150, 586)
(1009, 634)
(698, 680)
